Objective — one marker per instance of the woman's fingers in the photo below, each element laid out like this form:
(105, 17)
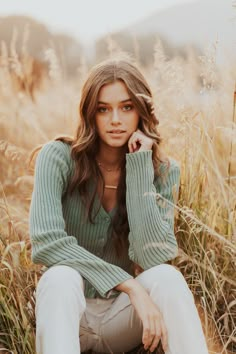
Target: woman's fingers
(139, 141)
(151, 333)
(132, 144)
(154, 330)
(157, 336)
(146, 331)
(164, 337)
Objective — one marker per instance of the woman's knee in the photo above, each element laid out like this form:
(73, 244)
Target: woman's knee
(59, 293)
(170, 281)
(166, 279)
(60, 277)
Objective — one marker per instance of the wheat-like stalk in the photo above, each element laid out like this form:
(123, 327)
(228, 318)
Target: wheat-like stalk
(54, 67)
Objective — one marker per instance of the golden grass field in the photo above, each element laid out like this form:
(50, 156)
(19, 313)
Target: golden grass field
(195, 102)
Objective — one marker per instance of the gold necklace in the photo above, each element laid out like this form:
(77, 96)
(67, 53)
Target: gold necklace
(107, 169)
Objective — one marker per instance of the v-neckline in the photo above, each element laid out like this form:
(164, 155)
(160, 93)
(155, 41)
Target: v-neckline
(106, 213)
(102, 210)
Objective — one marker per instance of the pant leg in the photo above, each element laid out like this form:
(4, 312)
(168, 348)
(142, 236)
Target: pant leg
(121, 328)
(172, 295)
(60, 304)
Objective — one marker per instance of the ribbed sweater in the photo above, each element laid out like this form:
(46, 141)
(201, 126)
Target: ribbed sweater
(61, 234)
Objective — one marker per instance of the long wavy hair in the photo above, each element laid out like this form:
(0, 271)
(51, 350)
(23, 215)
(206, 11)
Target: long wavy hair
(84, 145)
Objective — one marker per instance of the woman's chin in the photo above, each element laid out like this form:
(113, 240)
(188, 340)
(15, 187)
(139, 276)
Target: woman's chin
(117, 145)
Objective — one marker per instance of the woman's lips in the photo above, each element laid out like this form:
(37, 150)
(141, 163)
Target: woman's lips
(116, 134)
(116, 131)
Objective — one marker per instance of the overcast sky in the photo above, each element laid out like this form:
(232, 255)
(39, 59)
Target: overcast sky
(85, 19)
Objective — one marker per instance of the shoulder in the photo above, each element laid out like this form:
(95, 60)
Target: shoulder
(57, 152)
(56, 148)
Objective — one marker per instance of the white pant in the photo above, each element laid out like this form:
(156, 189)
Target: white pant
(67, 322)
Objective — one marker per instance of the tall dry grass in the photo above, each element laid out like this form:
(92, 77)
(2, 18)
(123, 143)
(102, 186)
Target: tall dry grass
(195, 102)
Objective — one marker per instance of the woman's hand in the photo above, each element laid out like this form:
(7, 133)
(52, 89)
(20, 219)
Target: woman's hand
(154, 327)
(139, 142)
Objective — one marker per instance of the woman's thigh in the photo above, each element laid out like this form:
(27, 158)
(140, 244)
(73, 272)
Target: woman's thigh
(121, 328)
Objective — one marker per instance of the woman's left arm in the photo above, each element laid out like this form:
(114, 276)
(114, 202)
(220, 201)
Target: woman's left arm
(151, 218)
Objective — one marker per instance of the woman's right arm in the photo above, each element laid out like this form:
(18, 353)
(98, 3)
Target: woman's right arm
(50, 243)
(153, 324)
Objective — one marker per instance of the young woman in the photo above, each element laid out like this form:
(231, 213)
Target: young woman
(102, 224)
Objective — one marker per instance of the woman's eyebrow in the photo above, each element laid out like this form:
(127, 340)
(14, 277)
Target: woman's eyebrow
(127, 100)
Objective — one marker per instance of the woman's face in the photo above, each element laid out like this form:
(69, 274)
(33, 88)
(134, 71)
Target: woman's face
(116, 118)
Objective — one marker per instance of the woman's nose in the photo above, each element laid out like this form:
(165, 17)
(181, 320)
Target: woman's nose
(115, 116)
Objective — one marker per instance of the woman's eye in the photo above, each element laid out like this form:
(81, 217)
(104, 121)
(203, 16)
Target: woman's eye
(127, 107)
(102, 109)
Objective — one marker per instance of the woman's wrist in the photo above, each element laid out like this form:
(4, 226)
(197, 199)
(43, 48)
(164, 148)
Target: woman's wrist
(129, 286)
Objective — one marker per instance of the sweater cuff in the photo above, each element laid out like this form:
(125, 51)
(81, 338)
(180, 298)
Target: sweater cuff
(138, 157)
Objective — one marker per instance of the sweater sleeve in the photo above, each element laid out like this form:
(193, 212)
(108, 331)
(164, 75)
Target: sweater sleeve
(151, 219)
(50, 243)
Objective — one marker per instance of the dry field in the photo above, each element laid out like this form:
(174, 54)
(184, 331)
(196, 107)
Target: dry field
(195, 103)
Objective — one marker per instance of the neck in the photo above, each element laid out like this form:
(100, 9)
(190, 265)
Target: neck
(110, 156)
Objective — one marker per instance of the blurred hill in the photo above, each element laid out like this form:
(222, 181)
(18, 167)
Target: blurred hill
(140, 46)
(198, 22)
(195, 25)
(25, 32)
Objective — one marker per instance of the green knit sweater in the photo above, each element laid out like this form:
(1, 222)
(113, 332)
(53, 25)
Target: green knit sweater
(60, 233)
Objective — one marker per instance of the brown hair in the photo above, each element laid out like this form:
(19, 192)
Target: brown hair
(85, 143)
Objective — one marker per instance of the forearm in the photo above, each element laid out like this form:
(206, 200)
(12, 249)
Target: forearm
(151, 238)
(129, 286)
(145, 214)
